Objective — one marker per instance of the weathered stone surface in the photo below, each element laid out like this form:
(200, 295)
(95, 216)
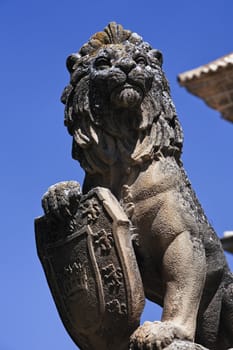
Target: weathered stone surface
(184, 345)
(127, 137)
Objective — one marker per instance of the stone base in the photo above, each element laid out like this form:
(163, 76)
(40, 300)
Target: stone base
(184, 345)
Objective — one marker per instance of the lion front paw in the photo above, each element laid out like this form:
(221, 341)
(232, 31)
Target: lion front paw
(156, 336)
(62, 199)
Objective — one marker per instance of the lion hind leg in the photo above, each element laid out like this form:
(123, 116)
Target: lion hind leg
(226, 322)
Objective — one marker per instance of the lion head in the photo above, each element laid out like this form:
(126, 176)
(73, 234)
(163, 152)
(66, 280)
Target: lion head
(118, 104)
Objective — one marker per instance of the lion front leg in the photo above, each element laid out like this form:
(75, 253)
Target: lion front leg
(60, 203)
(183, 271)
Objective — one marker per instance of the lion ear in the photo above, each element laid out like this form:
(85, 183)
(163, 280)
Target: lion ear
(158, 55)
(71, 60)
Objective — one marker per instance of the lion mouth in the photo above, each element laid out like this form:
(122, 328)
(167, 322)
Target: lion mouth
(127, 96)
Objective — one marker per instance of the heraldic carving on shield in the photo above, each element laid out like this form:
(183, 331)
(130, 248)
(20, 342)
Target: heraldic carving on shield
(84, 244)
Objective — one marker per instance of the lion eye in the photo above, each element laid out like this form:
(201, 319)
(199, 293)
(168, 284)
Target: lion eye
(102, 63)
(141, 60)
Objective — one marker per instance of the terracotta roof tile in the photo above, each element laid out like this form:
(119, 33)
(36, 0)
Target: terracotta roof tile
(213, 82)
(208, 68)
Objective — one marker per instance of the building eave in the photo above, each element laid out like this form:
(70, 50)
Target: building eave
(227, 243)
(213, 82)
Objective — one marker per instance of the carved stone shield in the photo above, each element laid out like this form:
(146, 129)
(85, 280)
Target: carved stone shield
(92, 272)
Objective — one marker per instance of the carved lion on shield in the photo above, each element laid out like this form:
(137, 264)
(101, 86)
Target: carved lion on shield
(127, 137)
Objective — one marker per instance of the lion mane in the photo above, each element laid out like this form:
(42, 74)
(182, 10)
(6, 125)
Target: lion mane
(102, 134)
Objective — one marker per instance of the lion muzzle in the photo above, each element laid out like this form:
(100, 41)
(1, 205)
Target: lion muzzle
(127, 96)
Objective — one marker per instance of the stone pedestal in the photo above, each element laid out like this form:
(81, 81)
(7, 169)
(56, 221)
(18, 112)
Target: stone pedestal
(184, 345)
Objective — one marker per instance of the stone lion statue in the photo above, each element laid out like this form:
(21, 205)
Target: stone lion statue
(127, 137)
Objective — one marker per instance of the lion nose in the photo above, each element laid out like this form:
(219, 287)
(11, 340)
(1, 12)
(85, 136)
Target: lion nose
(126, 65)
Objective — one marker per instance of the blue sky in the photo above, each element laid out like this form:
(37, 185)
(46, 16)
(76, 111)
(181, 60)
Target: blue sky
(36, 38)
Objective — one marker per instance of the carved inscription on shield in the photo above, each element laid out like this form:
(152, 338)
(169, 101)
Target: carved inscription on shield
(90, 210)
(115, 306)
(74, 278)
(105, 255)
(112, 277)
(103, 241)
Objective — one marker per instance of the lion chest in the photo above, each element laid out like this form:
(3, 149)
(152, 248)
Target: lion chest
(158, 208)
